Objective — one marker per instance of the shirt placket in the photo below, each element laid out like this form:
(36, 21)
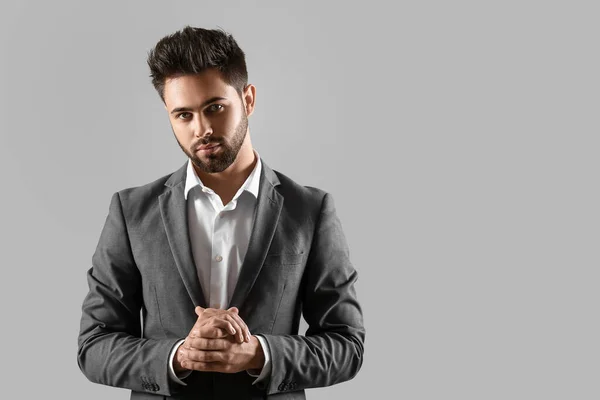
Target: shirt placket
(218, 271)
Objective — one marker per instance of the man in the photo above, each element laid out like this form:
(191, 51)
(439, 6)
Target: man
(200, 278)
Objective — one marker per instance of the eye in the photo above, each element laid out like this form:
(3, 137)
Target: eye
(184, 115)
(215, 107)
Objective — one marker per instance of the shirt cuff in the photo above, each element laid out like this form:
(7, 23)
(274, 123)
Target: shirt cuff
(177, 378)
(266, 369)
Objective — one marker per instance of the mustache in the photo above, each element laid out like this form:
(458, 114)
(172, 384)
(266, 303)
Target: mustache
(205, 141)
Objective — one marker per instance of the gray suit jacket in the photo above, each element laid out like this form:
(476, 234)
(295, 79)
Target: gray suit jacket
(143, 288)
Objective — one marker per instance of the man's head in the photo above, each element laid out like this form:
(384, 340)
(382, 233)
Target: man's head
(201, 77)
(193, 51)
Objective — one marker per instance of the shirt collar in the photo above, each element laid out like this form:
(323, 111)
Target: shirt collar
(250, 185)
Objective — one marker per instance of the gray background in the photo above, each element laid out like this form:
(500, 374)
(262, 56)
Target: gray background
(459, 140)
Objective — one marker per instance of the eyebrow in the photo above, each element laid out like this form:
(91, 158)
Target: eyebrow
(207, 102)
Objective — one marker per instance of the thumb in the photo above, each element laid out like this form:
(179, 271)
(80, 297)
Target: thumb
(199, 310)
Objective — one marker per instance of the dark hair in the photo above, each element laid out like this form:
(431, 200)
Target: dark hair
(194, 50)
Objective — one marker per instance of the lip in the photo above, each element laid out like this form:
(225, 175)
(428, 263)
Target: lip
(206, 146)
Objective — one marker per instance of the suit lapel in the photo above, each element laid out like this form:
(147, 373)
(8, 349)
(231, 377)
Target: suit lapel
(266, 216)
(173, 209)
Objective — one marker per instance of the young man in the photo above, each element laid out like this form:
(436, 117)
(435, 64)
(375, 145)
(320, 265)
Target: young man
(200, 278)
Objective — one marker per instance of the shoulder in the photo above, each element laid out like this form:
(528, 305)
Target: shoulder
(143, 196)
(143, 192)
(300, 195)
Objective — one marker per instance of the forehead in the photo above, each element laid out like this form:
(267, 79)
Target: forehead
(196, 88)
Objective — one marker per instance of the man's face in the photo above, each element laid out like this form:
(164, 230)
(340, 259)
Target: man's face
(204, 110)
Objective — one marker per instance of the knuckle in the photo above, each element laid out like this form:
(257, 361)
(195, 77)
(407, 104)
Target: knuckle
(207, 366)
(189, 355)
(219, 333)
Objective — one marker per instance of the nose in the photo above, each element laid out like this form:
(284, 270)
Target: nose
(201, 127)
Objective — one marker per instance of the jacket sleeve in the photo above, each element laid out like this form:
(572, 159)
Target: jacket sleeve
(111, 350)
(332, 349)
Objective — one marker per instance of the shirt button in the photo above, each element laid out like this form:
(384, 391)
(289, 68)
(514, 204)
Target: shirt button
(219, 258)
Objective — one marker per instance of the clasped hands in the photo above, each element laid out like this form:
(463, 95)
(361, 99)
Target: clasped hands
(219, 341)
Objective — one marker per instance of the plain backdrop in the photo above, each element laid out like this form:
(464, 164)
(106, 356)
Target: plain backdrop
(459, 140)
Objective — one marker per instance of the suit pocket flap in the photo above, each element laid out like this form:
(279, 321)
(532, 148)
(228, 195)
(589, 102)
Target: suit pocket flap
(284, 259)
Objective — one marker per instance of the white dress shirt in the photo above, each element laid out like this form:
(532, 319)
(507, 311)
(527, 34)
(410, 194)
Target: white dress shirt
(219, 236)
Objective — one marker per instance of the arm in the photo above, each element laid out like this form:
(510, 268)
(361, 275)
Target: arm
(332, 350)
(111, 350)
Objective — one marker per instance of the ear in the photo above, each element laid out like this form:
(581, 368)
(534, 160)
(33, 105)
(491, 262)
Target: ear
(249, 98)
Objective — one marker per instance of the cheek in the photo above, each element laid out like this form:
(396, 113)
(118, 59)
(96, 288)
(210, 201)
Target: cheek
(183, 135)
(228, 122)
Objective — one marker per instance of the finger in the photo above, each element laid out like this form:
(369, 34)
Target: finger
(226, 323)
(214, 311)
(208, 344)
(195, 328)
(207, 356)
(235, 313)
(195, 331)
(220, 321)
(245, 331)
(207, 366)
(239, 330)
(199, 310)
(217, 330)
(209, 312)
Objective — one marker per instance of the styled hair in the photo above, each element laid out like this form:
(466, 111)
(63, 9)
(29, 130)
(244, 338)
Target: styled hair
(194, 50)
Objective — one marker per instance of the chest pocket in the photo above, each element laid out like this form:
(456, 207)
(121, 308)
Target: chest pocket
(278, 272)
(283, 259)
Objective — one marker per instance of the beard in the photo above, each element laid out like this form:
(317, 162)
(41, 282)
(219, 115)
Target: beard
(225, 155)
